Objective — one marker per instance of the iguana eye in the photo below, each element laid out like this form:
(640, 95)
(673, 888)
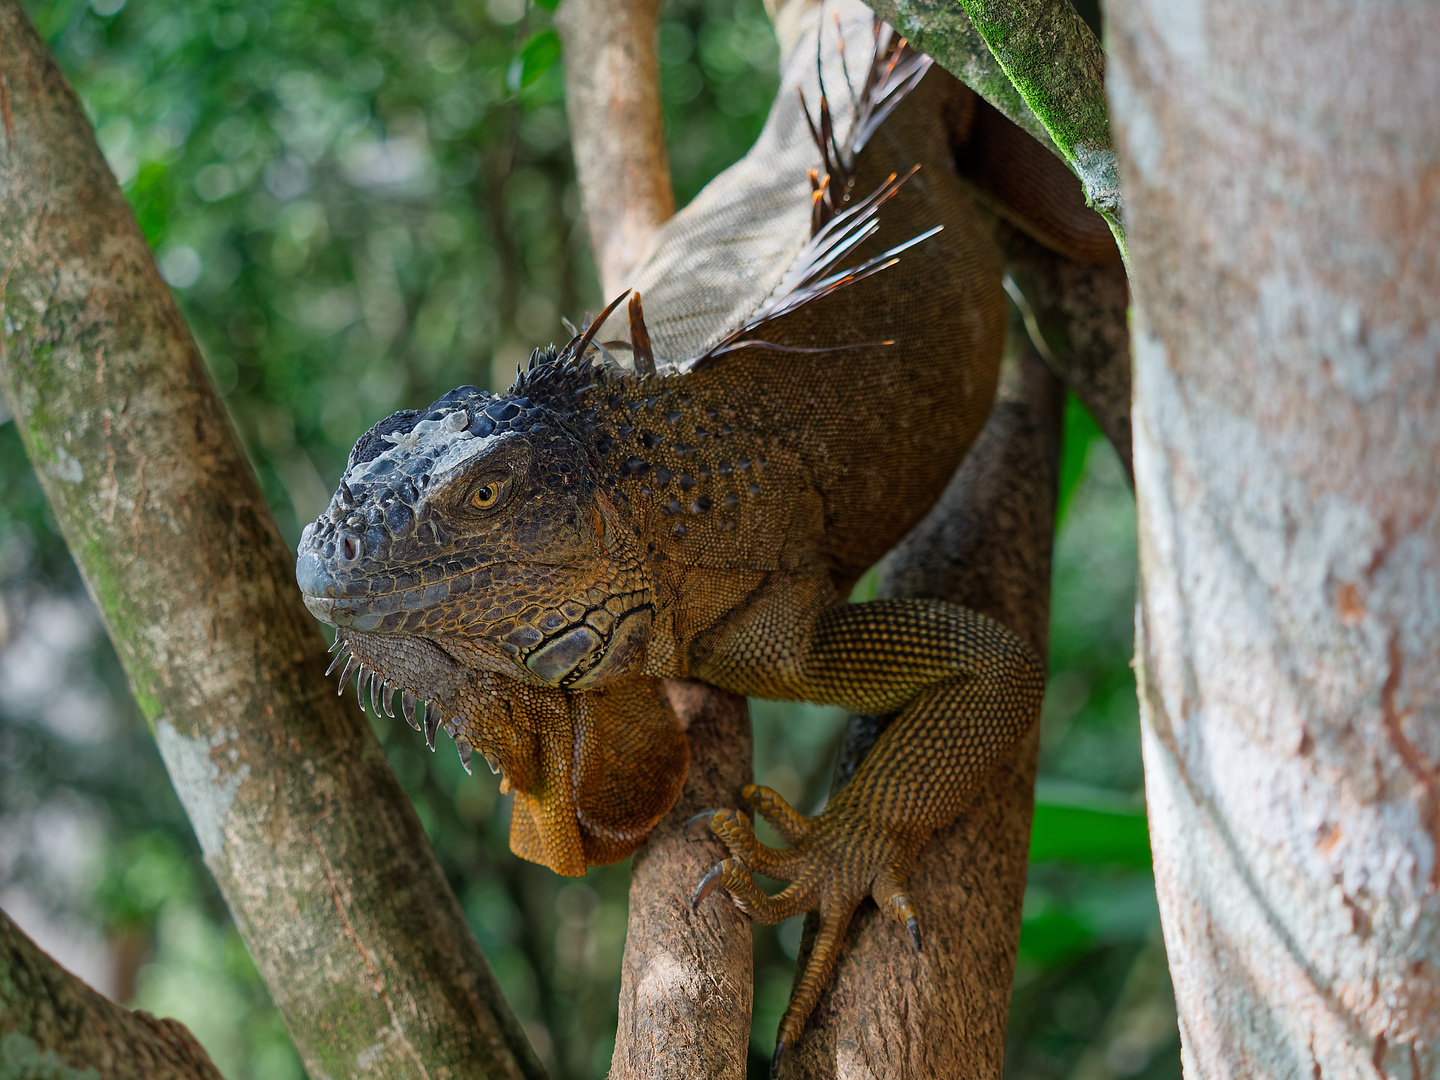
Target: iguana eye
(486, 495)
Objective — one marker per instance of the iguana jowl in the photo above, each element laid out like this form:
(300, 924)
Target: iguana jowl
(691, 490)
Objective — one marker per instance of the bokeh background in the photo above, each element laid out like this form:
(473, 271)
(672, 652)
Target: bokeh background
(361, 204)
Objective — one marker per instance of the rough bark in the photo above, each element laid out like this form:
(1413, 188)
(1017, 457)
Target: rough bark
(612, 96)
(892, 1012)
(687, 982)
(52, 1024)
(1282, 165)
(314, 845)
(1056, 69)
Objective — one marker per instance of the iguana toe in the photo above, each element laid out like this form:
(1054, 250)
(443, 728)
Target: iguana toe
(770, 805)
(836, 860)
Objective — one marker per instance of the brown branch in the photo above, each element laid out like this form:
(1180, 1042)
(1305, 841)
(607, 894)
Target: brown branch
(986, 544)
(687, 981)
(1079, 314)
(52, 1024)
(312, 841)
(612, 95)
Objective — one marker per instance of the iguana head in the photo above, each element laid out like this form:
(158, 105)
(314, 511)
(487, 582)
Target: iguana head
(473, 557)
(481, 524)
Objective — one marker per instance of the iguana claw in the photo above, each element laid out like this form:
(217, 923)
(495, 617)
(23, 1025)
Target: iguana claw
(779, 1053)
(688, 831)
(835, 861)
(707, 885)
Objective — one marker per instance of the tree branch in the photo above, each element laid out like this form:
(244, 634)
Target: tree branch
(1055, 69)
(1078, 314)
(312, 841)
(892, 1012)
(687, 983)
(612, 96)
(687, 979)
(52, 1024)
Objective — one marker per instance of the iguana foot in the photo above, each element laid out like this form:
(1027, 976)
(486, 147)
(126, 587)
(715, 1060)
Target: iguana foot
(834, 861)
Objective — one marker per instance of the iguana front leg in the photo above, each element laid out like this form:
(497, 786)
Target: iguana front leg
(965, 688)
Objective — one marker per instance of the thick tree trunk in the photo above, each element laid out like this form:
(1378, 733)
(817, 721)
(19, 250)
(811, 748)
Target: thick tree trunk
(1282, 168)
(312, 841)
(52, 1024)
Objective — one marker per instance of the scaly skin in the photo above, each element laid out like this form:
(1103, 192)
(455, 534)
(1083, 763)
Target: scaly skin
(533, 563)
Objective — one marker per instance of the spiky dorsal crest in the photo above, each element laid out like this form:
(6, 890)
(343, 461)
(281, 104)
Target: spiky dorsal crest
(839, 224)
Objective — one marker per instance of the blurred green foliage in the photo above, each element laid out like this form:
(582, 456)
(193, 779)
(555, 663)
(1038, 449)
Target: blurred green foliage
(361, 204)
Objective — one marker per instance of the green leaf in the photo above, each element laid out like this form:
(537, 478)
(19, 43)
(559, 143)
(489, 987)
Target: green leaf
(548, 5)
(1052, 937)
(1092, 828)
(538, 56)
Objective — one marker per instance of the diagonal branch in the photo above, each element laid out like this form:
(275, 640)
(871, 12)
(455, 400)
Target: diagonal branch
(986, 544)
(52, 1024)
(1076, 315)
(312, 841)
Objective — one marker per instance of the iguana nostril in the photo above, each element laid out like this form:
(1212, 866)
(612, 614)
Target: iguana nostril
(347, 550)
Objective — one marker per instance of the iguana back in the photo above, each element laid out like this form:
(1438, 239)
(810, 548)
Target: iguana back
(866, 425)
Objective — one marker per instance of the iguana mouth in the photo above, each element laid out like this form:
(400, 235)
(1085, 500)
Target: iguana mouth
(575, 645)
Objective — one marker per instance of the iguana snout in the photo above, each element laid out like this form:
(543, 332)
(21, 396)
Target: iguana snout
(479, 524)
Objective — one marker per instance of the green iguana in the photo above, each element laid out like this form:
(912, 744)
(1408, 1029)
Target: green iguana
(691, 488)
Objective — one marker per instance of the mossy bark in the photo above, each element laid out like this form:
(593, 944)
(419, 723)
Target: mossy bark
(315, 846)
(1040, 65)
(54, 1026)
(942, 29)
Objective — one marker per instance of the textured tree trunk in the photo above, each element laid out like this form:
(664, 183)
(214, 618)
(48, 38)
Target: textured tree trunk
(52, 1024)
(687, 983)
(314, 844)
(1282, 172)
